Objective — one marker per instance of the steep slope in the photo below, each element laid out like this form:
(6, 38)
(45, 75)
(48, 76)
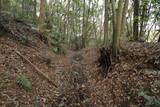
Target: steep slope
(17, 36)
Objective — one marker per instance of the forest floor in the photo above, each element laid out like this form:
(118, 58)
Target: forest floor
(132, 81)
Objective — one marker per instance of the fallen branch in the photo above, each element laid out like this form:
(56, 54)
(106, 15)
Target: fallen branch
(37, 69)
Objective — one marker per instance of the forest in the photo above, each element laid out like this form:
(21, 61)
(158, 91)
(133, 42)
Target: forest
(79, 53)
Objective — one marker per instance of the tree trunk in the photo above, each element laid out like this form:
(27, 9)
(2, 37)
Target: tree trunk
(123, 25)
(23, 8)
(42, 13)
(4, 5)
(143, 16)
(117, 26)
(136, 20)
(106, 24)
(118, 19)
(114, 41)
(35, 12)
(84, 24)
(1, 3)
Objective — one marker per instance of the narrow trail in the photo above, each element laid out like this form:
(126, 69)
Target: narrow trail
(73, 92)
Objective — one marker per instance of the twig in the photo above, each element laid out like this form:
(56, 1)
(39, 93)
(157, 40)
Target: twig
(37, 69)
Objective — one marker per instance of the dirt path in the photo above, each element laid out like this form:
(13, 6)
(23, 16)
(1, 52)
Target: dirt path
(73, 90)
(67, 72)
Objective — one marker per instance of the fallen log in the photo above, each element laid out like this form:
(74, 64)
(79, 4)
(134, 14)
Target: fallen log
(37, 69)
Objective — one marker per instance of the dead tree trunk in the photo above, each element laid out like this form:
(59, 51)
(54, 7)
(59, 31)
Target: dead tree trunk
(104, 61)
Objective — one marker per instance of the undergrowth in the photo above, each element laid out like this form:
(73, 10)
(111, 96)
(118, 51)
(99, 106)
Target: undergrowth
(150, 98)
(24, 82)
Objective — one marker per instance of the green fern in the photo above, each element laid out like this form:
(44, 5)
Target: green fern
(24, 82)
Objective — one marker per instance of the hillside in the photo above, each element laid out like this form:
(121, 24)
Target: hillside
(78, 78)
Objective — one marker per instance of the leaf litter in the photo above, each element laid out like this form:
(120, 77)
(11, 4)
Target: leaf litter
(76, 74)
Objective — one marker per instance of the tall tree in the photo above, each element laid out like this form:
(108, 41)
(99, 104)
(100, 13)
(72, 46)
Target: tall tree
(35, 11)
(136, 20)
(84, 24)
(42, 13)
(1, 5)
(125, 9)
(117, 19)
(5, 5)
(86, 14)
(106, 24)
